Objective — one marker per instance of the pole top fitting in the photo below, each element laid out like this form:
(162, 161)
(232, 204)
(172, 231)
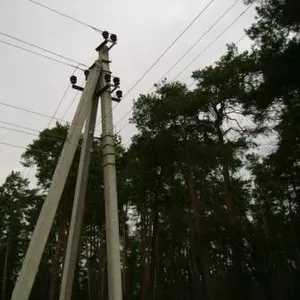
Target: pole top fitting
(108, 38)
(101, 45)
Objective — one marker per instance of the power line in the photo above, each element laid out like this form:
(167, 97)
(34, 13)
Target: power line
(61, 100)
(92, 174)
(35, 112)
(240, 39)
(122, 128)
(30, 111)
(22, 127)
(59, 104)
(205, 49)
(16, 130)
(40, 54)
(66, 16)
(69, 106)
(37, 150)
(236, 43)
(164, 52)
(50, 136)
(18, 126)
(169, 47)
(13, 145)
(209, 45)
(199, 39)
(180, 59)
(41, 48)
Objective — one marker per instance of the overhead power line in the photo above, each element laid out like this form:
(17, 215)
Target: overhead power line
(188, 50)
(18, 126)
(163, 53)
(13, 145)
(35, 113)
(41, 48)
(169, 47)
(69, 106)
(59, 104)
(209, 45)
(61, 101)
(43, 151)
(236, 43)
(53, 137)
(94, 170)
(40, 54)
(49, 136)
(199, 39)
(53, 53)
(205, 49)
(30, 111)
(66, 16)
(19, 131)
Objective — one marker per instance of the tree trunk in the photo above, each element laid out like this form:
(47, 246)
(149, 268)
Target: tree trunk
(5, 271)
(239, 286)
(199, 247)
(103, 282)
(125, 263)
(56, 258)
(154, 248)
(89, 270)
(145, 241)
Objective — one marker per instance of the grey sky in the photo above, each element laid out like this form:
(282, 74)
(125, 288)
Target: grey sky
(144, 29)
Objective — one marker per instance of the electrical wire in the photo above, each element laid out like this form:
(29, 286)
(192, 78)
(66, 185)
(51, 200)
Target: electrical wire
(188, 50)
(209, 45)
(16, 130)
(162, 54)
(69, 106)
(13, 145)
(43, 49)
(59, 104)
(199, 39)
(92, 173)
(43, 151)
(49, 136)
(40, 54)
(169, 47)
(18, 126)
(236, 43)
(61, 100)
(30, 111)
(34, 113)
(205, 49)
(66, 16)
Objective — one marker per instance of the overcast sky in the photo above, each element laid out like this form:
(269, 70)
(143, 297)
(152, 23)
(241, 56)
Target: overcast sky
(144, 28)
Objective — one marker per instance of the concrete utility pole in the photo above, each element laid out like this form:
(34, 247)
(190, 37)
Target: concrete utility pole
(78, 205)
(42, 229)
(98, 84)
(110, 186)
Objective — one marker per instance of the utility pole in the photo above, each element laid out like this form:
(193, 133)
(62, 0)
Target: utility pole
(98, 84)
(42, 229)
(78, 205)
(110, 185)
